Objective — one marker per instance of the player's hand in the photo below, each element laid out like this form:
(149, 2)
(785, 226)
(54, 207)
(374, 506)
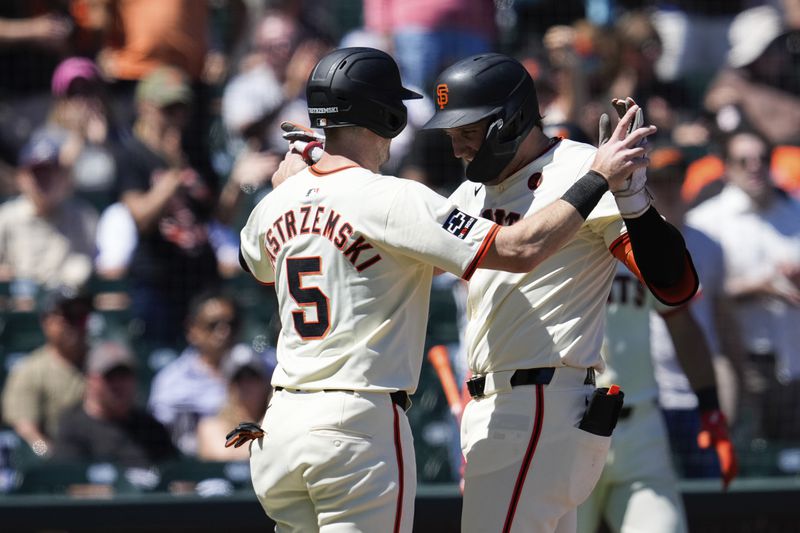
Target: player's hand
(620, 152)
(304, 141)
(243, 433)
(714, 432)
(632, 196)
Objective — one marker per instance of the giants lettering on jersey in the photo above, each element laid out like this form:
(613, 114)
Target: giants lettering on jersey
(326, 223)
(459, 223)
(499, 216)
(626, 290)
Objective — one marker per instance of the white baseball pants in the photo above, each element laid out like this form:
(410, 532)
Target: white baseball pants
(527, 463)
(335, 462)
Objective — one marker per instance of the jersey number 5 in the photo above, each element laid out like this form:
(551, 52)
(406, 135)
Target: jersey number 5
(296, 268)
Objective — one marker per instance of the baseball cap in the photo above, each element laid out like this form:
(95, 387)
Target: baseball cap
(40, 150)
(107, 356)
(71, 69)
(243, 358)
(164, 86)
(750, 34)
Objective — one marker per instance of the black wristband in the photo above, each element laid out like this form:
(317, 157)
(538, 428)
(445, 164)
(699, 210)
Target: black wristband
(586, 192)
(707, 399)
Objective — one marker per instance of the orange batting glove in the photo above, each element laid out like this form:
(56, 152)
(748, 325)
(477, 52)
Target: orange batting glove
(714, 431)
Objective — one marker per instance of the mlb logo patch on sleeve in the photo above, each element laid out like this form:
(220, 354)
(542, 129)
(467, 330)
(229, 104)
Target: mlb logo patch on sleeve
(459, 223)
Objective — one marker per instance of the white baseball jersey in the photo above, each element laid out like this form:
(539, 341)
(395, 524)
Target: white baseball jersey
(626, 346)
(351, 254)
(553, 315)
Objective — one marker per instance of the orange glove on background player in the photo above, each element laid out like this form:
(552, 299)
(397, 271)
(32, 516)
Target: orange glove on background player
(714, 431)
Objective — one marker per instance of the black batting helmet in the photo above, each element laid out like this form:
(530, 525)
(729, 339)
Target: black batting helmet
(358, 87)
(492, 86)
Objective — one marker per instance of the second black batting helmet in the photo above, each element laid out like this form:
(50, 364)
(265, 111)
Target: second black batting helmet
(358, 87)
(492, 86)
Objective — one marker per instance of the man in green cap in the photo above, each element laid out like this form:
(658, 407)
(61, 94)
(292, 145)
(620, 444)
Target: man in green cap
(173, 196)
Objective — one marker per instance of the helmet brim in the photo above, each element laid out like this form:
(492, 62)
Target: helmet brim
(455, 118)
(408, 94)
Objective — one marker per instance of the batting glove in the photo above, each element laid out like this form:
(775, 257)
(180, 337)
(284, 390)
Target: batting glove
(633, 200)
(714, 431)
(243, 433)
(304, 141)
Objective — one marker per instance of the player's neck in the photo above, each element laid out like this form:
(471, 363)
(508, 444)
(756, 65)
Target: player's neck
(341, 155)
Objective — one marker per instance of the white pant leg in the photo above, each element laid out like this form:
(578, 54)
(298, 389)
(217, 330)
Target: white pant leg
(643, 494)
(527, 462)
(338, 455)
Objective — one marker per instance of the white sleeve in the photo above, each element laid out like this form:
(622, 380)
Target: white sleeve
(252, 247)
(424, 225)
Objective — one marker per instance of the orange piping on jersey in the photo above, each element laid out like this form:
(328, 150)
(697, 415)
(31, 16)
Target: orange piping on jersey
(318, 172)
(679, 294)
(482, 251)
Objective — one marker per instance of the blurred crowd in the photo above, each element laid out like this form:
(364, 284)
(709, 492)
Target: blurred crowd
(137, 135)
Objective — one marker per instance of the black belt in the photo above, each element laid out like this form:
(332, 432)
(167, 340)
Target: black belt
(399, 398)
(526, 376)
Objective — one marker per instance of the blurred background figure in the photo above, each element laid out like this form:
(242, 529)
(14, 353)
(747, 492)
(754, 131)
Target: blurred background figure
(193, 386)
(51, 379)
(712, 310)
(427, 36)
(759, 86)
(107, 425)
(34, 36)
(758, 228)
(173, 198)
(81, 117)
(46, 233)
(248, 393)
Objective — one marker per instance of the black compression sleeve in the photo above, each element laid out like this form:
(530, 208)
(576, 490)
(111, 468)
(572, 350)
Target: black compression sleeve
(658, 247)
(586, 192)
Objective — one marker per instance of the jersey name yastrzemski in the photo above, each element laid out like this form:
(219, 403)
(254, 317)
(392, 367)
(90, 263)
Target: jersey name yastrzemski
(307, 220)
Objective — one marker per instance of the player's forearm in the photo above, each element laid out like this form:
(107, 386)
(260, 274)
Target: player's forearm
(692, 352)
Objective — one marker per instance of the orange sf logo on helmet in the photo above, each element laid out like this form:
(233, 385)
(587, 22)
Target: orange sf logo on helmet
(441, 95)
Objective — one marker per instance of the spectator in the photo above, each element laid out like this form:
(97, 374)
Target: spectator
(272, 80)
(108, 426)
(193, 386)
(172, 197)
(33, 38)
(760, 85)
(693, 34)
(429, 36)
(758, 228)
(148, 34)
(50, 379)
(46, 234)
(81, 116)
(248, 393)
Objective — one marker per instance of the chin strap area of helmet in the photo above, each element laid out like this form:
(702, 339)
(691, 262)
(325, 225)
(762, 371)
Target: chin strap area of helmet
(502, 141)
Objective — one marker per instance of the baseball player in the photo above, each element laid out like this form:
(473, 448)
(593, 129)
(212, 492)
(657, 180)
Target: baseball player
(533, 339)
(352, 253)
(637, 490)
